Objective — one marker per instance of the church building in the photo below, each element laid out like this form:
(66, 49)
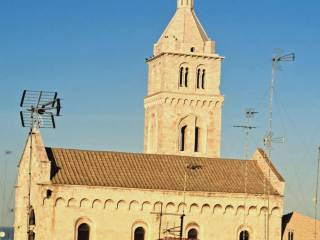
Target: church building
(179, 188)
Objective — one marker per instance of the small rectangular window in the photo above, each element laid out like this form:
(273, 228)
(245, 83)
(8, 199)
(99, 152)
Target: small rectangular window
(196, 140)
(182, 138)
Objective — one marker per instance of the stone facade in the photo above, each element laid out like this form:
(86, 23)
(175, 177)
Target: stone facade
(296, 226)
(184, 90)
(115, 212)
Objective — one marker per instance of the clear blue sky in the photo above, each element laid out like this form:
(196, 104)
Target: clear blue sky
(93, 52)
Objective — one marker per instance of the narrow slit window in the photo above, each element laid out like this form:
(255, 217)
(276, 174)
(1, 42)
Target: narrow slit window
(203, 78)
(32, 235)
(196, 139)
(198, 78)
(181, 77)
(83, 232)
(32, 218)
(186, 77)
(182, 138)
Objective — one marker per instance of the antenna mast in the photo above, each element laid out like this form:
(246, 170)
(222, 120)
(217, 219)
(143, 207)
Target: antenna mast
(316, 198)
(269, 140)
(249, 113)
(39, 108)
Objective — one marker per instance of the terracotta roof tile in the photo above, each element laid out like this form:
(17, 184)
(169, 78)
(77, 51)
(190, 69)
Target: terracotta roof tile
(152, 171)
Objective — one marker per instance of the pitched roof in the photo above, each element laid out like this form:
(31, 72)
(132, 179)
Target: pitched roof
(152, 171)
(186, 27)
(270, 164)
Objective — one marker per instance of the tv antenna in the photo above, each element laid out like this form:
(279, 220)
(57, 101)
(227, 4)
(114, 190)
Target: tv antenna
(177, 232)
(249, 114)
(39, 109)
(269, 138)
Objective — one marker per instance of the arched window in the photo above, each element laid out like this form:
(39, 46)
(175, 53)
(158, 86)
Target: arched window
(186, 77)
(83, 232)
(182, 138)
(290, 235)
(203, 78)
(196, 139)
(181, 77)
(198, 78)
(244, 235)
(192, 234)
(139, 233)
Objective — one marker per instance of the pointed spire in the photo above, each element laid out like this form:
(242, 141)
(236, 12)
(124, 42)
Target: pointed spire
(188, 4)
(184, 34)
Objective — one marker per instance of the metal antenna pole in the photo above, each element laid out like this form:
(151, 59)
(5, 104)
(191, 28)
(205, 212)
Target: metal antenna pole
(38, 111)
(316, 198)
(268, 140)
(29, 177)
(177, 231)
(249, 113)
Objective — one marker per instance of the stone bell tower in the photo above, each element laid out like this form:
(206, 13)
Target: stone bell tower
(183, 106)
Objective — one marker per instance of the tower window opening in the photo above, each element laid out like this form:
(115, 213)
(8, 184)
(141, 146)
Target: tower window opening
(83, 232)
(186, 77)
(139, 233)
(192, 49)
(181, 77)
(290, 235)
(32, 218)
(192, 234)
(196, 139)
(198, 78)
(31, 235)
(49, 193)
(244, 235)
(203, 78)
(182, 138)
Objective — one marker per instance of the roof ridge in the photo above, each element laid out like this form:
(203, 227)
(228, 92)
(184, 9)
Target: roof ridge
(149, 154)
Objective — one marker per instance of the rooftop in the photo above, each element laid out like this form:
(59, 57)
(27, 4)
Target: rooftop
(153, 171)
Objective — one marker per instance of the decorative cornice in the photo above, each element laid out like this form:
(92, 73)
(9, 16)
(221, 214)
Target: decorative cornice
(209, 56)
(193, 100)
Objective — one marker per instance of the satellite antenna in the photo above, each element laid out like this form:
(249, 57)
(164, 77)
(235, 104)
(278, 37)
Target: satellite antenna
(39, 109)
(249, 114)
(269, 139)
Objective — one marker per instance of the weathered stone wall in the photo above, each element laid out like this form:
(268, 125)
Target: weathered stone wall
(168, 104)
(115, 213)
